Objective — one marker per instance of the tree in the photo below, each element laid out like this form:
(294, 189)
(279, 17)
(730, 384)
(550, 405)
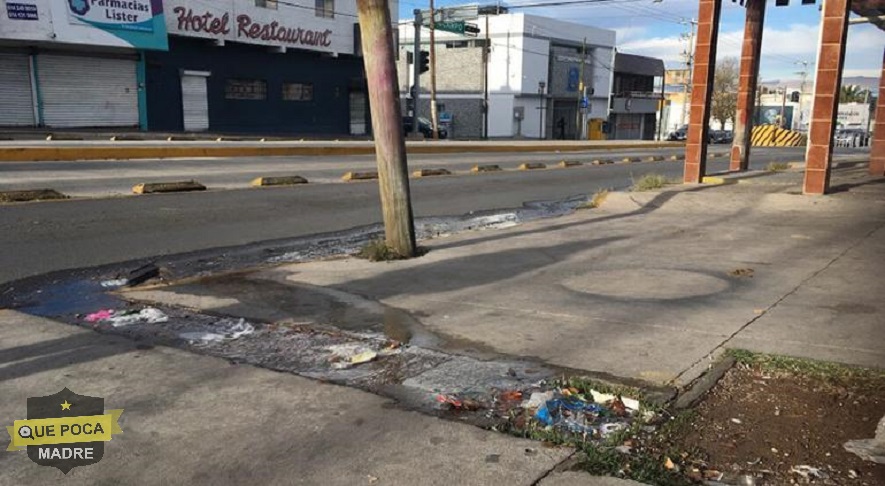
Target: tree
(725, 86)
(852, 93)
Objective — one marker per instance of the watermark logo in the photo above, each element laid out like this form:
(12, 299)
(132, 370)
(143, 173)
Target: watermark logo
(64, 430)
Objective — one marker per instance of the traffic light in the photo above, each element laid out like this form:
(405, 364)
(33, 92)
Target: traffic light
(794, 96)
(423, 62)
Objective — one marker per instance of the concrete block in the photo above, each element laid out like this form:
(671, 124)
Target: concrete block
(30, 195)
(155, 187)
(532, 166)
(486, 168)
(360, 176)
(431, 172)
(278, 181)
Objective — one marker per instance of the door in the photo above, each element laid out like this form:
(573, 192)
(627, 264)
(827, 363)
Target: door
(16, 103)
(195, 101)
(81, 91)
(358, 112)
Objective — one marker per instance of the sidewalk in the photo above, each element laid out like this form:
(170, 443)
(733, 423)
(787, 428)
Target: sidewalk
(192, 419)
(651, 286)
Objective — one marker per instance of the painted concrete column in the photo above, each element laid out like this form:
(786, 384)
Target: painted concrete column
(825, 107)
(746, 98)
(702, 90)
(877, 151)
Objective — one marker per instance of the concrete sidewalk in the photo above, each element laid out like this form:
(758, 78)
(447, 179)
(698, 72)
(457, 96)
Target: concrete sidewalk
(191, 419)
(651, 286)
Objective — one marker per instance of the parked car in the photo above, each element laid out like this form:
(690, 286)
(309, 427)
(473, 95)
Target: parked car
(678, 135)
(424, 126)
(851, 137)
(721, 136)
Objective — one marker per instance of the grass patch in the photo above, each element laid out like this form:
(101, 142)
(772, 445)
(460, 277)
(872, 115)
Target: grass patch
(595, 201)
(378, 251)
(777, 166)
(650, 182)
(807, 367)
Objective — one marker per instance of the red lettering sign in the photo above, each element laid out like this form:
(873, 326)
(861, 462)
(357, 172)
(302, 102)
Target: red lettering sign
(246, 27)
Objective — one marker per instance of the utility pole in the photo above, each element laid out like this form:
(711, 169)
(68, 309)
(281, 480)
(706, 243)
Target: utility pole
(578, 125)
(387, 125)
(486, 51)
(434, 128)
(689, 62)
(416, 74)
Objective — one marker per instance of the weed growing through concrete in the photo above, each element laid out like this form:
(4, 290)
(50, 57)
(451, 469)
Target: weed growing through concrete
(650, 182)
(378, 251)
(595, 201)
(777, 167)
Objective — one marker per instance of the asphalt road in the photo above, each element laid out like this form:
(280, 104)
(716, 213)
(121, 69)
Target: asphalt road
(116, 177)
(46, 236)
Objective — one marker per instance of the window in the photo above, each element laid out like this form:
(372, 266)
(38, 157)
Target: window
(297, 92)
(245, 89)
(271, 4)
(325, 8)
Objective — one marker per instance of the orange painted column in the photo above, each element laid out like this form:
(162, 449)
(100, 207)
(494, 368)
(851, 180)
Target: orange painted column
(830, 59)
(746, 98)
(877, 150)
(702, 90)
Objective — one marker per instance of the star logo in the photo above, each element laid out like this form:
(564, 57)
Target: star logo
(66, 405)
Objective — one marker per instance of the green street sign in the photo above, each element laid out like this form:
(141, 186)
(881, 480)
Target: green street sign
(454, 26)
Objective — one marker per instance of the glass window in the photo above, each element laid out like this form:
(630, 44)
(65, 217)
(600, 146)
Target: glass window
(245, 89)
(271, 4)
(325, 8)
(297, 92)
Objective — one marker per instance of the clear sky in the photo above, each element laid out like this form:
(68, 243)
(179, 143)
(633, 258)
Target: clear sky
(653, 29)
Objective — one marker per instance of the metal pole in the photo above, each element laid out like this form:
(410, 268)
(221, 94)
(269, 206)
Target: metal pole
(578, 127)
(486, 50)
(433, 114)
(416, 75)
(541, 108)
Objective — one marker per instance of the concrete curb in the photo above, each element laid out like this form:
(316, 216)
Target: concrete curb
(205, 149)
(696, 391)
(160, 187)
(602, 162)
(717, 181)
(630, 160)
(486, 168)
(278, 181)
(677, 157)
(654, 158)
(532, 166)
(31, 195)
(431, 172)
(569, 163)
(360, 176)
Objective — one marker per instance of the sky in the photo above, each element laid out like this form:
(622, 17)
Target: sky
(653, 29)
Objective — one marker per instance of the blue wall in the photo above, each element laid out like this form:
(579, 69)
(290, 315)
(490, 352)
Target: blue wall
(328, 113)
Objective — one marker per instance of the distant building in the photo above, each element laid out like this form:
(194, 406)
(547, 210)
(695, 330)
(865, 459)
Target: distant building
(534, 76)
(635, 102)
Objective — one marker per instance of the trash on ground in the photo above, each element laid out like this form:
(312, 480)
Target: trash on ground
(736, 421)
(809, 472)
(668, 463)
(457, 403)
(343, 356)
(224, 329)
(114, 283)
(99, 315)
(870, 449)
(148, 315)
(579, 413)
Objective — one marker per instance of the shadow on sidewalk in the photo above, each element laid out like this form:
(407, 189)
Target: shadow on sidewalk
(59, 353)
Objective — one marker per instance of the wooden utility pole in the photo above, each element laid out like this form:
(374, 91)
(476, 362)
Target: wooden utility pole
(387, 125)
(434, 116)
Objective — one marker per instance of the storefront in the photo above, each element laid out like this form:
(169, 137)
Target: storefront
(67, 64)
(241, 67)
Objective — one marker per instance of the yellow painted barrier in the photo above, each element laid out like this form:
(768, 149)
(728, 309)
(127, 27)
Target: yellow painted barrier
(774, 136)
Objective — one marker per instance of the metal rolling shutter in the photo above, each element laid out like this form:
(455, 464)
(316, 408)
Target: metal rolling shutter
(195, 102)
(16, 104)
(87, 91)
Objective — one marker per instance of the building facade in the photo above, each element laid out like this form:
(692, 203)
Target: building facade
(77, 63)
(257, 66)
(546, 78)
(635, 101)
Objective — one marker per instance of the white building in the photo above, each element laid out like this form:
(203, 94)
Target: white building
(533, 74)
